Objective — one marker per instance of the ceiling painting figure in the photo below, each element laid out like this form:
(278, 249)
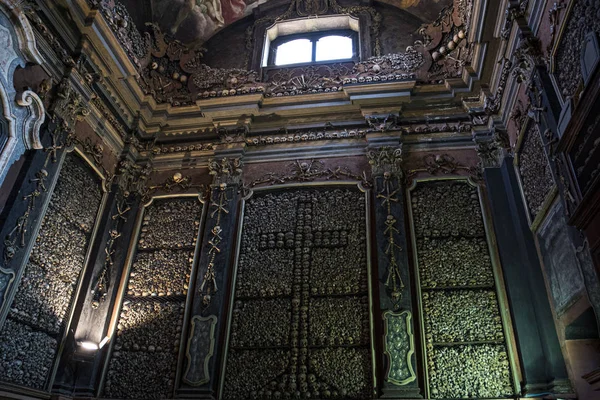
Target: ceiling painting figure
(195, 21)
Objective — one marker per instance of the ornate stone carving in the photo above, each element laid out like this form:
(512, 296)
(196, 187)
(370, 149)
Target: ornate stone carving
(436, 164)
(31, 11)
(490, 151)
(514, 11)
(534, 170)
(70, 104)
(378, 123)
(116, 15)
(386, 160)
(294, 261)
(403, 64)
(307, 171)
(327, 133)
(225, 170)
(200, 350)
(386, 163)
(177, 182)
(175, 74)
(399, 347)
(527, 55)
(233, 135)
(492, 104)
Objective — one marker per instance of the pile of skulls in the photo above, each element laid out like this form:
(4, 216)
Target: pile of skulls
(281, 209)
(347, 372)
(261, 323)
(140, 375)
(144, 359)
(170, 224)
(160, 273)
(443, 209)
(469, 371)
(26, 356)
(534, 169)
(462, 316)
(47, 286)
(264, 273)
(150, 326)
(454, 262)
(249, 371)
(339, 271)
(339, 321)
(338, 209)
(77, 194)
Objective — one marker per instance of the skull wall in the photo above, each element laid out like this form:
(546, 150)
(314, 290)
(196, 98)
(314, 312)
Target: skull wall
(40, 311)
(143, 362)
(466, 352)
(300, 324)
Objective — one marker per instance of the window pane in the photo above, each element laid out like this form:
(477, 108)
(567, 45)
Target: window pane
(334, 48)
(293, 52)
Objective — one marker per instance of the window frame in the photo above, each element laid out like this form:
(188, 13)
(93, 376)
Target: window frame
(314, 37)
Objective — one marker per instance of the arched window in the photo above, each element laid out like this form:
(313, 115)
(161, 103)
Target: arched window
(314, 47)
(312, 41)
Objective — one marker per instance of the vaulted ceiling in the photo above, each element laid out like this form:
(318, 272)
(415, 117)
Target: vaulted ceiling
(193, 21)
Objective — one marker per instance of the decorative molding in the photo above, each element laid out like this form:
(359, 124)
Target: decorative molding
(202, 341)
(23, 113)
(177, 182)
(101, 282)
(7, 277)
(399, 346)
(386, 161)
(533, 169)
(34, 120)
(386, 164)
(308, 171)
(436, 164)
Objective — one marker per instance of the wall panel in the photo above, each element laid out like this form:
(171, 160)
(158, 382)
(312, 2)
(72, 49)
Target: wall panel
(144, 357)
(301, 313)
(466, 354)
(41, 308)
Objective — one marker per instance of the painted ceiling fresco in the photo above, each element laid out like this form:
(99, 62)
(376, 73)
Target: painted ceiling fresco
(196, 21)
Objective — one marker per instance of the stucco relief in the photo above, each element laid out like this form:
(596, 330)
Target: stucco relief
(23, 119)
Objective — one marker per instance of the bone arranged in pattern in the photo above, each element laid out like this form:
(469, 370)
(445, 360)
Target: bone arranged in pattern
(466, 351)
(300, 324)
(37, 316)
(143, 362)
